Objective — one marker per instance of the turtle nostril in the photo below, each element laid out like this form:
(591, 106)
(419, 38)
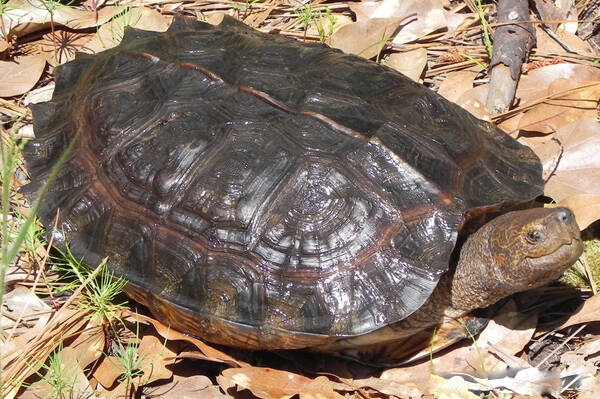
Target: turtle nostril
(564, 215)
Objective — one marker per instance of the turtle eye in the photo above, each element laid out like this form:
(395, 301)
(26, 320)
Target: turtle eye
(534, 236)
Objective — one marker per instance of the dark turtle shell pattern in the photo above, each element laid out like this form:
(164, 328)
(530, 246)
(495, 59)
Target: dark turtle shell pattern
(262, 192)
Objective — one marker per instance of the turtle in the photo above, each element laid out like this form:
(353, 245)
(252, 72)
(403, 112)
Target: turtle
(265, 193)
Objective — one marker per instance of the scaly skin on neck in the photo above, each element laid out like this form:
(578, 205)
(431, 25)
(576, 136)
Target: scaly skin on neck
(514, 252)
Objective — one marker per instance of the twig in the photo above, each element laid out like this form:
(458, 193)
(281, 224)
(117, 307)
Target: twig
(512, 43)
(544, 360)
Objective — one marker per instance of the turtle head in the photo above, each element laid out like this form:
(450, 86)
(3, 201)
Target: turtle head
(514, 252)
(532, 247)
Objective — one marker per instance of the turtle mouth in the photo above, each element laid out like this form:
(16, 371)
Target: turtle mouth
(558, 260)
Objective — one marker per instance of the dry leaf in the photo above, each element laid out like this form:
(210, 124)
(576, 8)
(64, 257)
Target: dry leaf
(529, 381)
(110, 34)
(366, 38)
(39, 95)
(76, 384)
(430, 18)
(538, 80)
(4, 45)
(322, 26)
(207, 352)
(120, 391)
(188, 387)
(457, 21)
(580, 100)
(107, 371)
(86, 348)
(27, 16)
(22, 304)
(581, 362)
(410, 63)
(170, 7)
(267, 383)
(586, 208)
(589, 388)
(533, 86)
(60, 47)
(216, 18)
(508, 332)
(376, 21)
(155, 356)
(574, 162)
(588, 312)
(364, 10)
(453, 388)
(456, 84)
(21, 74)
(412, 389)
(546, 44)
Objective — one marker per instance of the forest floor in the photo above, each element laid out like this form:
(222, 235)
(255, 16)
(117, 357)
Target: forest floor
(68, 332)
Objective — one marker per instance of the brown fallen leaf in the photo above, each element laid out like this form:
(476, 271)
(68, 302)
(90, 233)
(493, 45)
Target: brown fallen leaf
(508, 332)
(22, 304)
(27, 16)
(533, 91)
(573, 161)
(61, 45)
(366, 38)
(430, 18)
(457, 21)
(377, 22)
(451, 388)
(581, 363)
(325, 27)
(410, 63)
(585, 206)
(187, 387)
(155, 358)
(207, 352)
(528, 381)
(74, 380)
(456, 84)
(267, 383)
(538, 80)
(364, 10)
(410, 389)
(4, 45)
(121, 390)
(107, 371)
(21, 74)
(579, 100)
(110, 34)
(546, 44)
(588, 312)
(40, 344)
(85, 349)
(589, 388)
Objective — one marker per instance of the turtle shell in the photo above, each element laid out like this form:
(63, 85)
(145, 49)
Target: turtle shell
(262, 192)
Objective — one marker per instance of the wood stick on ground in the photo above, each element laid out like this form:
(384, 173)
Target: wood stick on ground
(512, 43)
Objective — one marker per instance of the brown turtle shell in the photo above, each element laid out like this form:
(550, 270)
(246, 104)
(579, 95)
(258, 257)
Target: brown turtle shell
(262, 192)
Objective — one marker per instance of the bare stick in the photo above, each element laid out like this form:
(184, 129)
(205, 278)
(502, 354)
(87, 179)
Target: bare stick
(512, 43)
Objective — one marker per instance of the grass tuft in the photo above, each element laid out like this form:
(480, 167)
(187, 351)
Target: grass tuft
(100, 292)
(485, 30)
(58, 380)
